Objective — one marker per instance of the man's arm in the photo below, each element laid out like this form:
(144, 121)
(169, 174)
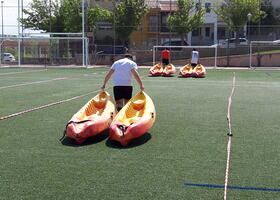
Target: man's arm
(138, 79)
(106, 79)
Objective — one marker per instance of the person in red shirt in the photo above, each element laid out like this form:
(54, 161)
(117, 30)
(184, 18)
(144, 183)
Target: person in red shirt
(165, 56)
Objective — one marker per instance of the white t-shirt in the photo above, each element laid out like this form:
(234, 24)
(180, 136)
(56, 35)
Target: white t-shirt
(195, 57)
(122, 72)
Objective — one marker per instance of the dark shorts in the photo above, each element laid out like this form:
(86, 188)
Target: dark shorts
(122, 92)
(165, 61)
(193, 65)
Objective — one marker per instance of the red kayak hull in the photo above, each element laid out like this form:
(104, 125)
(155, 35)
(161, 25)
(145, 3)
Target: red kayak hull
(156, 70)
(131, 132)
(169, 70)
(92, 119)
(133, 120)
(81, 131)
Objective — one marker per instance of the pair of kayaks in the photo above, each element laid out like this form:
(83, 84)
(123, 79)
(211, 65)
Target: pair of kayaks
(99, 114)
(159, 70)
(187, 71)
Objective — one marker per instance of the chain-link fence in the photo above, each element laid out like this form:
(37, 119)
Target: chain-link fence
(40, 51)
(105, 46)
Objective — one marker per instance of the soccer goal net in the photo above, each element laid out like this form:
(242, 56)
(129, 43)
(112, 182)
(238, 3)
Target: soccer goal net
(264, 53)
(181, 55)
(45, 51)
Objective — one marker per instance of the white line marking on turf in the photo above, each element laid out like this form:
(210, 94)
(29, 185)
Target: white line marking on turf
(229, 138)
(45, 81)
(8, 73)
(35, 82)
(46, 106)
(49, 105)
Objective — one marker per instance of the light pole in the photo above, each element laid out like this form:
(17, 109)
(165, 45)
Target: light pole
(249, 16)
(2, 2)
(2, 35)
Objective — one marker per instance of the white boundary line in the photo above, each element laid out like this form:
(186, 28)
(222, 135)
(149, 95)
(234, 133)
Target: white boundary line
(35, 82)
(51, 104)
(8, 73)
(45, 81)
(46, 106)
(229, 138)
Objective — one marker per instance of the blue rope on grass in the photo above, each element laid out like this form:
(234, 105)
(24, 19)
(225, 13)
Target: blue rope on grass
(233, 187)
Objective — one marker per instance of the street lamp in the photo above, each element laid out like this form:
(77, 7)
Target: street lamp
(249, 16)
(2, 33)
(2, 2)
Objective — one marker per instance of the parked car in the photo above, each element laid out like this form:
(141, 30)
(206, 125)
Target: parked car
(174, 42)
(232, 42)
(7, 57)
(113, 50)
(276, 42)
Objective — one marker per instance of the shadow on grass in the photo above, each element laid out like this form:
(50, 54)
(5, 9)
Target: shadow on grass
(152, 76)
(91, 140)
(197, 77)
(134, 143)
(184, 76)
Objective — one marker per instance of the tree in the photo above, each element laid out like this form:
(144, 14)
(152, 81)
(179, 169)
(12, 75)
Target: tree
(53, 16)
(235, 13)
(127, 18)
(182, 21)
(97, 14)
(62, 16)
(70, 13)
(42, 16)
(271, 14)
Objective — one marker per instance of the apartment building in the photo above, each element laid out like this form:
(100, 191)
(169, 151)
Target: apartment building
(154, 28)
(275, 3)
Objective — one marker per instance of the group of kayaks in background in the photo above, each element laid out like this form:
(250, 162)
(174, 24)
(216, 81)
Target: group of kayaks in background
(198, 71)
(100, 113)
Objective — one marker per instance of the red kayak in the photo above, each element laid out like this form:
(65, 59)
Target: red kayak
(199, 71)
(169, 70)
(156, 70)
(133, 120)
(92, 118)
(186, 71)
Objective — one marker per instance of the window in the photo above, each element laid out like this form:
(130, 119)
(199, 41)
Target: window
(104, 25)
(164, 19)
(208, 7)
(196, 32)
(221, 32)
(164, 25)
(207, 32)
(153, 23)
(198, 5)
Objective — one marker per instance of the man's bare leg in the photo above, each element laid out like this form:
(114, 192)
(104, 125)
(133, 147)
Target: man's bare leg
(119, 104)
(125, 101)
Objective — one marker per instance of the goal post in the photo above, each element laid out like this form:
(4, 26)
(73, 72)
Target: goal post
(46, 50)
(184, 52)
(264, 54)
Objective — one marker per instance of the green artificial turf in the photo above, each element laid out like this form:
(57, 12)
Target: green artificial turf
(187, 143)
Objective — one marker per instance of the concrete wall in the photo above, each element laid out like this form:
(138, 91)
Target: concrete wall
(146, 58)
(264, 60)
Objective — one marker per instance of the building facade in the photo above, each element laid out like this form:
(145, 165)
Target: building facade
(154, 28)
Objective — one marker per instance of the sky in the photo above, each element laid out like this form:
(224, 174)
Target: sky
(10, 15)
